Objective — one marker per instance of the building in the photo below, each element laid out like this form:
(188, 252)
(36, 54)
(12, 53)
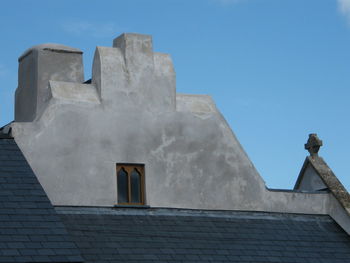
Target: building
(121, 168)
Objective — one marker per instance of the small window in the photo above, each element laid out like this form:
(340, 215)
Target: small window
(130, 180)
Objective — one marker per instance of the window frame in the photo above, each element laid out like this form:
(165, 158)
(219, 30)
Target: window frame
(129, 167)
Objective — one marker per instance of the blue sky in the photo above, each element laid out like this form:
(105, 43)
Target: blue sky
(277, 69)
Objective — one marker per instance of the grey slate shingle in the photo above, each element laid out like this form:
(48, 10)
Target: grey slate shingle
(123, 235)
(29, 225)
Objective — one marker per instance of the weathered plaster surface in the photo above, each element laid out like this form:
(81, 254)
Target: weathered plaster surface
(130, 113)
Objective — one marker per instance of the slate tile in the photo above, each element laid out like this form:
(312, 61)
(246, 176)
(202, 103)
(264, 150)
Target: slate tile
(275, 253)
(46, 252)
(7, 259)
(41, 258)
(28, 252)
(58, 258)
(273, 259)
(8, 231)
(192, 257)
(178, 257)
(64, 251)
(22, 259)
(15, 245)
(75, 258)
(164, 257)
(10, 252)
(33, 245)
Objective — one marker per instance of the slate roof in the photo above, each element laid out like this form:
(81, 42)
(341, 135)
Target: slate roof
(171, 235)
(30, 229)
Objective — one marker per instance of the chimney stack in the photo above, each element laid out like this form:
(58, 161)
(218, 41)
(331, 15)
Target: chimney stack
(37, 66)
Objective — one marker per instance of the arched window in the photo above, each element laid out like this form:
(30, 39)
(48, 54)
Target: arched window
(130, 180)
(135, 182)
(123, 189)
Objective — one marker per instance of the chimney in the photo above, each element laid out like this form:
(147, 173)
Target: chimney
(37, 66)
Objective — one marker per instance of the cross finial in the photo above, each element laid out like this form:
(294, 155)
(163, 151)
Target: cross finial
(313, 144)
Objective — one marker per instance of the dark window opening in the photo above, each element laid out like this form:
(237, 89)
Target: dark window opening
(123, 190)
(130, 181)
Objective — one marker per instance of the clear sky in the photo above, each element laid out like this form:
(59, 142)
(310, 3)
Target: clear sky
(277, 69)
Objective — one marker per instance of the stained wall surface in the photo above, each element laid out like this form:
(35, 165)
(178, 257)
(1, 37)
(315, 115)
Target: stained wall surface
(131, 113)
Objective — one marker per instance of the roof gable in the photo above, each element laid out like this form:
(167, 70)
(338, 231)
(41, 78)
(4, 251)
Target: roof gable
(317, 168)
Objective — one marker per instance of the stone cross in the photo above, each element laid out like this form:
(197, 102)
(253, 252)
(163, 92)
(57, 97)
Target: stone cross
(313, 144)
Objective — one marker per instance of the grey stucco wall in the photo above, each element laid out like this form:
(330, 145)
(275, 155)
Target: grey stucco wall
(130, 113)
